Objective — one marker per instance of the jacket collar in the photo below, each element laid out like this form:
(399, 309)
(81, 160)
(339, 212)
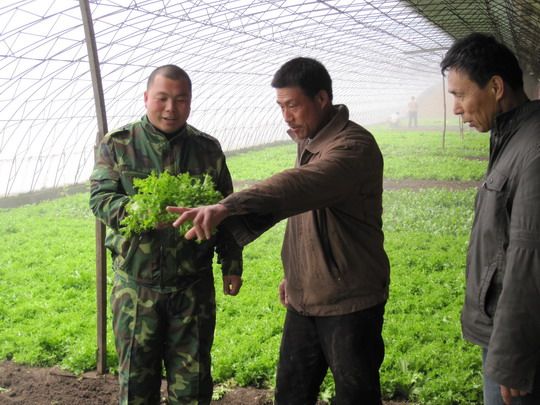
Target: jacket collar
(506, 122)
(506, 126)
(160, 134)
(327, 133)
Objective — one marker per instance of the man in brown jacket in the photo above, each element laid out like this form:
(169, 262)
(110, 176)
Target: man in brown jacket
(336, 270)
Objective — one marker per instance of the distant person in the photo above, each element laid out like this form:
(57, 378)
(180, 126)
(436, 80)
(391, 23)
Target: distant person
(336, 270)
(502, 300)
(163, 298)
(413, 113)
(394, 120)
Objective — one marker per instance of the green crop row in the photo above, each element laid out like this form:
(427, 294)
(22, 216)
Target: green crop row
(407, 155)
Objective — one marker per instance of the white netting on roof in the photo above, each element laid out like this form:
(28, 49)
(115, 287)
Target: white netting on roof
(378, 52)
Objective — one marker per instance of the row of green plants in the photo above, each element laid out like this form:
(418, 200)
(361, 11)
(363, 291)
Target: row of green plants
(47, 285)
(407, 155)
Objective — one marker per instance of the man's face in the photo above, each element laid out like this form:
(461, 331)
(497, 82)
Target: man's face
(168, 103)
(304, 115)
(478, 106)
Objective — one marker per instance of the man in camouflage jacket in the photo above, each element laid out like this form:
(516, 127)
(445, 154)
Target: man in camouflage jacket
(163, 298)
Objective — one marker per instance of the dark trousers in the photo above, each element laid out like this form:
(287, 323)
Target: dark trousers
(413, 119)
(351, 345)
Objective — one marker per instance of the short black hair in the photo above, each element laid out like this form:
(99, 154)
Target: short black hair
(307, 73)
(172, 72)
(481, 57)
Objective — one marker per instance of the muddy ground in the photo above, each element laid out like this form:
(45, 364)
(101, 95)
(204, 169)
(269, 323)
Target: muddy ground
(23, 385)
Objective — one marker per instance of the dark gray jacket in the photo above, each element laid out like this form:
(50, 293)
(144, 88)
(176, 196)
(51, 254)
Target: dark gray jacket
(502, 304)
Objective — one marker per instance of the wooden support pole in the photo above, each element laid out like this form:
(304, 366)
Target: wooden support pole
(101, 258)
(444, 113)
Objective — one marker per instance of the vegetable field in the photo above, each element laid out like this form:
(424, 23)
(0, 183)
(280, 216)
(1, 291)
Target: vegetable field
(47, 287)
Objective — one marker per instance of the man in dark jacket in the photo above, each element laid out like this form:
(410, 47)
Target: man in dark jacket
(336, 269)
(502, 304)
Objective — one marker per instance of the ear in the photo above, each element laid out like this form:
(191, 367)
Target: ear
(496, 85)
(145, 97)
(323, 98)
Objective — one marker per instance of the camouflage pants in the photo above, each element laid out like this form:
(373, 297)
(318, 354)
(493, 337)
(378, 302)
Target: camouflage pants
(154, 329)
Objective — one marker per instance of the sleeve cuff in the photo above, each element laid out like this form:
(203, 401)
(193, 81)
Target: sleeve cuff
(232, 267)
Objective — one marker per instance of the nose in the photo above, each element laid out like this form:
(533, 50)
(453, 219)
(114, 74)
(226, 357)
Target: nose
(458, 109)
(287, 116)
(169, 105)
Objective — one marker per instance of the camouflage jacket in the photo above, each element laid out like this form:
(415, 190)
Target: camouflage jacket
(159, 258)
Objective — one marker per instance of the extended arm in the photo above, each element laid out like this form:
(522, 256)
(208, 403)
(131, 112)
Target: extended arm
(317, 184)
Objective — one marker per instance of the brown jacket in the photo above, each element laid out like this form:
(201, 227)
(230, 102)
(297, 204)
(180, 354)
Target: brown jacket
(333, 252)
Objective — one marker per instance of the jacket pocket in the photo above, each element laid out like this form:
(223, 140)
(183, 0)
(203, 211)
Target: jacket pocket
(194, 257)
(326, 243)
(137, 257)
(490, 289)
(495, 181)
(493, 199)
(122, 249)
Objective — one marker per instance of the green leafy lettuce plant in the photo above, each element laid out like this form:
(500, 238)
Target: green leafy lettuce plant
(146, 209)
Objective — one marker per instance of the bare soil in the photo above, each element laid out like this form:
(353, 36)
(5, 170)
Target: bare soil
(416, 185)
(24, 385)
(52, 193)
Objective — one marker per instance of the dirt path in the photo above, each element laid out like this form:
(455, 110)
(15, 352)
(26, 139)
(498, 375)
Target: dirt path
(21, 385)
(423, 184)
(400, 184)
(50, 194)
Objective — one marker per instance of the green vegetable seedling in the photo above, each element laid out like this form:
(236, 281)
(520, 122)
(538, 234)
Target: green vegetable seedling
(146, 209)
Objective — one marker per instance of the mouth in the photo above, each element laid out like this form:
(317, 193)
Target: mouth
(293, 133)
(169, 121)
